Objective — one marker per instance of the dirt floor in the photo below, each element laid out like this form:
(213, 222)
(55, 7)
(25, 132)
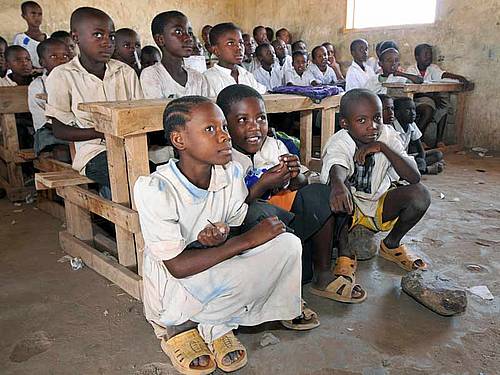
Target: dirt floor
(54, 320)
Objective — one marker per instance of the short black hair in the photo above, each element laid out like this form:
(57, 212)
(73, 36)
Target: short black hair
(3, 41)
(177, 113)
(125, 31)
(161, 19)
(60, 34)
(220, 29)
(352, 97)
(25, 5)
(281, 31)
(383, 97)
(260, 48)
(299, 53)
(315, 49)
(233, 94)
(420, 47)
(328, 44)
(11, 50)
(269, 33)
(42, 48)
(296, 43)
(150, 50)
(399, 102)
(256, 28)
(80, 14)
(355, 42)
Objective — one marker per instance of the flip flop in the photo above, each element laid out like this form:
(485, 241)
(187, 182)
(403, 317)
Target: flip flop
(185, 347)
(227, 344)
(306, 321)
(402, 256)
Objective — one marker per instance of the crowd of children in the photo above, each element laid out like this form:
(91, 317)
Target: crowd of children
(225, 221)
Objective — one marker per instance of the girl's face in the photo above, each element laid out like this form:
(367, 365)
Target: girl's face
(176, 38)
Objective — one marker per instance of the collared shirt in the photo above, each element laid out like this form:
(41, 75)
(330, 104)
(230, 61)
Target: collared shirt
(23, 40)
(7, 81)
(356, 77)
(197, 63)
(433, 73)
(411, 134)
(219, 78)
(251, 65)
(281, 70)
(157, 83)
(270, 79)
(325, 78)
(375, 82)
(373, 62)
(71, 84)
(340, 150)
(292, 77)
(37, 105)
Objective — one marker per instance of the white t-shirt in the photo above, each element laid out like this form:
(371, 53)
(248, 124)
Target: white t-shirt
(37, 105)
(372, 62)
(433, 73)
(281, 70)
(375, 83)
(292, 77)
(356, 77)
(197, 63)
(326, 78)
(219, 78)
(23, 40)
(340, 150)
(271, 79)
(6, 81)
(251, 65)
(157, 83)
(71, 84)
(412, 134)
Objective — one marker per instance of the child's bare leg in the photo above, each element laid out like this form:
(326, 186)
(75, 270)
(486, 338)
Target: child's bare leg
(440, 130)
(424, 116)
(433, 156)
(409, 203)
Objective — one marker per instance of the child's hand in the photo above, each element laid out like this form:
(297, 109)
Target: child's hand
(362, 152)
(213, 235)
(276, 177)
(265, 231)
(341, 199)
(292, 162)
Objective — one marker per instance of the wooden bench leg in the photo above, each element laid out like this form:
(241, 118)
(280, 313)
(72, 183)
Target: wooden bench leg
(327, 126)
(78, 222)
(306, 126)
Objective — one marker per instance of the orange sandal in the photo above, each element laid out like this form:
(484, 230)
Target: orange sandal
(403, 257)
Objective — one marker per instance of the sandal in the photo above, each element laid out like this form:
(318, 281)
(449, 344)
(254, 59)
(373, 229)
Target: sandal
(184, 348)
(227, 344)
(342, 287)
(402, 256)
(306, 321)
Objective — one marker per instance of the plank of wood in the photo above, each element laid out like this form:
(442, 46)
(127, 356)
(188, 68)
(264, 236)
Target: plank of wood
(11, 143)
(15, 193)
(50, 207)
(136, 149)
(11, 156)
(53, 180)
(124, 217)
(51, 165)
(103, 265)
(78, 222)
(14, 99)
(327, 126)
(426, 87)
(459, 120)
(306, 125)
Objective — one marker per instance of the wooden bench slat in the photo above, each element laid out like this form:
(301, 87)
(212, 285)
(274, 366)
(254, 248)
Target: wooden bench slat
(52, 180)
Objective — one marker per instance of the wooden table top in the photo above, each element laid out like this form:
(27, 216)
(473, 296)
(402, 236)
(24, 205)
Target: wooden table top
(14, 99)
(426, 87)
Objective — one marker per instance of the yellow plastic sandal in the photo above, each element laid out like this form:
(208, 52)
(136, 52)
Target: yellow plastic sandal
(306, 321)
(403, 257)
(185, 347)
(227, 344)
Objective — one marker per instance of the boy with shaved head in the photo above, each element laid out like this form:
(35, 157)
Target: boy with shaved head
(92, 76)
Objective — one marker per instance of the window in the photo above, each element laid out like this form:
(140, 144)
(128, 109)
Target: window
(377, 13)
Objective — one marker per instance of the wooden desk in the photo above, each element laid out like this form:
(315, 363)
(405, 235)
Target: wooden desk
(410, 89)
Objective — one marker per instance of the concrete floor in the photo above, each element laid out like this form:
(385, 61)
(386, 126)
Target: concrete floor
(76, 322)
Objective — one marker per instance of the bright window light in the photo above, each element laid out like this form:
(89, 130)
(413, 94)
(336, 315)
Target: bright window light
(376, 13)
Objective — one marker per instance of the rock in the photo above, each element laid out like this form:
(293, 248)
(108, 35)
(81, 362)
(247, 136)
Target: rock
(268, 339)
(37, 343)
(363, 242)
(435, 292)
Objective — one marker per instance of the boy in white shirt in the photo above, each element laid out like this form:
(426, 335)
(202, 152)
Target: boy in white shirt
(284, 35)
(358, 73)
(267, 73)
(299, 75)
(227, 43)
(250, 61)
(169, 78)
(323, 74)
(283, 60)
(128, 48)
(332, 60)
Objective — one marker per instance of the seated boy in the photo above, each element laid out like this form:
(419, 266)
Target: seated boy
(260, 35)
(51, 53)
(373, 62)
(299, 45)
(170, 78)
(284, 35)
(31, 12)
(360, 163)
(250, 61)
(299, 75)
(283, 60)
(431, 107)
(323, 74)
(267, 73)
(65, 37)
(358, 73)
(128, 48)
(207, 48)
(197, 60)
(332, 60)
(90, 77)
(389, 62)
(428, 162)
(3, 47)
(227, 44)
(150, 55)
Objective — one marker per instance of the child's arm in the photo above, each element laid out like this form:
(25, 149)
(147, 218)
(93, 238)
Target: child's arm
(274, 178)
(403, 168)
(191, 262)
(417, 143)
(412, 77)
(340, 196)
(297, 179)
(71, 133)
(458, 77)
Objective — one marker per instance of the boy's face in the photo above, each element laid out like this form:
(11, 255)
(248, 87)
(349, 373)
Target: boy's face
(175, 37)
(389, 62)
(247, 123)
(424, 58)
(360, 51)
(205, 34)
(250, 45)
(127, 45)
(148, 59)
(279, 48)
(320, 58)
(331, 53)
(20, 63)
(204, 139)
(388, 111)
(230, 47)
(33, 15)
(364, 120)
(300, 46)
(284, 36)
(96, 38)
(300, 64)
(406, 112)
(267, 56)
(261, 36)
(71, 46)
(54, 56)
(3, 47)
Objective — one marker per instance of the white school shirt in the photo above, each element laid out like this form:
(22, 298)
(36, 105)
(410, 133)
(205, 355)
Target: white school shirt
(375, 83)
(6, 81)
(325, 78)
(197, 63)
(172, 212)
(412, 134)
(23, 40)
(373, 63)
(37, 105)
(433, 72)
(71, 84)
(340, 150)
(270, 79)
(157, 83)
(219, 78)
(356, 77)
(282, 69)
(291, 76)
(252, 65)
